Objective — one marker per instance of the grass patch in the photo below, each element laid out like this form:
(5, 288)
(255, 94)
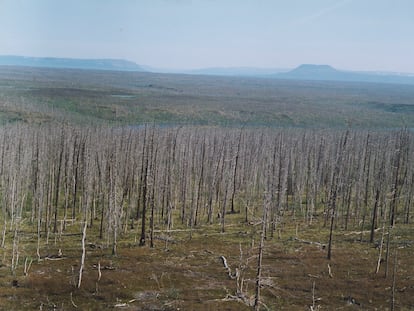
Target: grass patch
(188, 274)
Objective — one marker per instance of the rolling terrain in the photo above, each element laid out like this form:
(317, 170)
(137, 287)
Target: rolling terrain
(109, 97)
(144, 191)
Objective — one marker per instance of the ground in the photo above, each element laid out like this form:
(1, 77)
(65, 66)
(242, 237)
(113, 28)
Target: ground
(184, 271)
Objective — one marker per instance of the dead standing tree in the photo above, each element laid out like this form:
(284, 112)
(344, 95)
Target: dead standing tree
(400, 170)
(235, 168)
(334, 189)
(60, 173)
(264, 224)
(146, 171)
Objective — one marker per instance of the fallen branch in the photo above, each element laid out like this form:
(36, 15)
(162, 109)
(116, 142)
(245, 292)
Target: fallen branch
(93, 246)
(165, 239)
(71, 300)
(100, 267)
(330, 271)
(58, 256)
(361, 232)
(175, 230)
(311, 242)
(240, 298)
(231, 276)
(54, 258)
(124, 304)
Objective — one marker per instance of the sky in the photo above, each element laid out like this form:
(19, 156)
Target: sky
(366, 35)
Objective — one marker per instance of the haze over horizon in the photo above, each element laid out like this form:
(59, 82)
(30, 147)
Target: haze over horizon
(370, 35)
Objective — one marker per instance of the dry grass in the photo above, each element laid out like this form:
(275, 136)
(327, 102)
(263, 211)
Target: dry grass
(189, 275)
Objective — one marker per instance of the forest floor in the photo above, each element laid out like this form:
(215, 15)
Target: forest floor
(185, 271)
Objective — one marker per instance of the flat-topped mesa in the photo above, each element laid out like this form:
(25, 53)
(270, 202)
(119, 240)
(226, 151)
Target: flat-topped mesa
(70, 63)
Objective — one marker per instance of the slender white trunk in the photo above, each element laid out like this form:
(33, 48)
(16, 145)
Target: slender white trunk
(83, 253)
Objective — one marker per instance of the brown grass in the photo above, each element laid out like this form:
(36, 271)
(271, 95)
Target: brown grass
(189, 275)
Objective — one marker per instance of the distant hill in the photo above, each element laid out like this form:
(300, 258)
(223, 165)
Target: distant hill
(311, 72)
(328, 73)
(303, 72)
(70, 63)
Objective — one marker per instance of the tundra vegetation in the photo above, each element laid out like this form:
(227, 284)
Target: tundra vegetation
(167, 217)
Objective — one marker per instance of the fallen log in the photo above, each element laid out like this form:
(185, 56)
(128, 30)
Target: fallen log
(321, 245)
(224, 260)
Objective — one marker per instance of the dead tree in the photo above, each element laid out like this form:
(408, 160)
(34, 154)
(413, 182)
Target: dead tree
(334, 190)
(236, 163)
(57, 180)
(260, 255)
(148, 155)
(82, 261)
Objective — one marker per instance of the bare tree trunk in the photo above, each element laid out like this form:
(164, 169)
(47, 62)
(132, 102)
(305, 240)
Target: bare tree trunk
(148, 154)
(366, 168)
(152, 199)
(236, 162)
(387, 254)
(215, 182)
(381, 245)
(142, 173)
(394, 279)
(184, 181)
(82, 262)
(57, 181)
(334, 190)
(200, 181)
(409, 200)
(260, 256)
(374, 215)
(398, 159)
(223, 209)
(333, 211)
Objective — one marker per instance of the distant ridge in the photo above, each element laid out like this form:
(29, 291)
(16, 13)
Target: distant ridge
(308, 70)
(303, 72)
(328, 73)
(236, 71)
(70, 63)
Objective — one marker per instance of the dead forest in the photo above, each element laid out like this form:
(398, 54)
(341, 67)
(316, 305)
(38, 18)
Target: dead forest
(110, 181)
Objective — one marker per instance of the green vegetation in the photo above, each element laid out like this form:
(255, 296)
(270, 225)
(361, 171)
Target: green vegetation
(189, 275)
(127, 98)
(123, 191)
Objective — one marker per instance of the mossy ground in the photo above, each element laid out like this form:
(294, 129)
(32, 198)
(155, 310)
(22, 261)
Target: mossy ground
(188, 274)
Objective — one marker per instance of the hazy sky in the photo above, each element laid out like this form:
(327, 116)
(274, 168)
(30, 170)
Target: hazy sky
(347, 34)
